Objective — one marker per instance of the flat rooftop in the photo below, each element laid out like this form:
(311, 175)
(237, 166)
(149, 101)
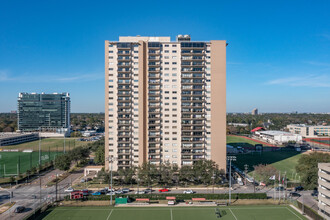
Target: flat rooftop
(304, 125)
(4, 135)
(274, 133)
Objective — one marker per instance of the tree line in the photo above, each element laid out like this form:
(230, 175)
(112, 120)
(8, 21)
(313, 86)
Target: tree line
(307, 169)
(203, 172)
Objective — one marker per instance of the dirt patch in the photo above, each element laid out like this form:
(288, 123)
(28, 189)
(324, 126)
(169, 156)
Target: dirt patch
(6, 206)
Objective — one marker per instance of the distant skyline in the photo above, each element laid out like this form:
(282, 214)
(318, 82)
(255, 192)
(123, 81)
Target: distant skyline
(278, 56)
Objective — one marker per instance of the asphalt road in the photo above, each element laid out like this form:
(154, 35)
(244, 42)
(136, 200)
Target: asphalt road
(29, 196)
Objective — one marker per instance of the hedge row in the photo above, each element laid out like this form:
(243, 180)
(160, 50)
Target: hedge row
(310, 212)
(185, 196)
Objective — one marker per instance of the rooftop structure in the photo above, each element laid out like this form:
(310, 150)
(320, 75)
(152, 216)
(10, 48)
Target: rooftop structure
(8, 138)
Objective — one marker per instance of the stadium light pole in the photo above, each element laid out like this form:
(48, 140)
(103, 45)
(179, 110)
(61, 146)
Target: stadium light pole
(230, 158)
(39, 146)
(64, 141)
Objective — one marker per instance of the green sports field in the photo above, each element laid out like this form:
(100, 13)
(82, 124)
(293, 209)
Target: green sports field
(175, 213)
(284, 161)
(9, 161)
(52, 144)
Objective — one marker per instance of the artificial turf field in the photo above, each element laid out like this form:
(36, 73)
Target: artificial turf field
(175, 213)
(10, 160)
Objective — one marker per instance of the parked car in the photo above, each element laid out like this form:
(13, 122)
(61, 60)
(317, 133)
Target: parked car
(82, 180)
(294, 194)
(148, 190)
(70, 189)
(188, 191)
(281, 188)
(119, 191)
(19, 209)
(125, 190)
(98, 193)
(163, 190)
(85, 192)
(111, 193)
(315, 193)
(140, 192)
(103, 191)
(299, 188)
(88, 179)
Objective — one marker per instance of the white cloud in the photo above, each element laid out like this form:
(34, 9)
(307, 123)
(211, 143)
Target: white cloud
(303, 81)
(316, 63)
(59, 78)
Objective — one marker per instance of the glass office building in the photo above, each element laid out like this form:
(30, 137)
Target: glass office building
(44, 112)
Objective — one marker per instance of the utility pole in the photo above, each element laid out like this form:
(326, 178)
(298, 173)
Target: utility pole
(213, 177)
(40, 188)
(230, 158)
(246, 167)
(254, 184)
(64, 143)
(56, 188)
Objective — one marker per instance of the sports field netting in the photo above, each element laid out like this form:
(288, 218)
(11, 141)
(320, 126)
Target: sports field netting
(176, 213)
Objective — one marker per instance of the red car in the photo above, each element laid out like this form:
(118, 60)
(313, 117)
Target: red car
(163, 190)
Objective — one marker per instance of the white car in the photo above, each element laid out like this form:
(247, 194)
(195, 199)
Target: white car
(111, 193)
(70, 189)
(188, 191)
(140, 192)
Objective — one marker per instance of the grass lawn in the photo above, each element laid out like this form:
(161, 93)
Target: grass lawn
(174, 213)
(284, 161)
(239, 141)
(53, 144)
(10, 160)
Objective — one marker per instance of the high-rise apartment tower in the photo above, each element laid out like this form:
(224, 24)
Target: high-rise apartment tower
(165, 101)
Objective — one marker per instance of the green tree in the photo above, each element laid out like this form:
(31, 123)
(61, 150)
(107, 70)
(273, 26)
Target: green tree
(99, 155)
(307, 168)
(63, 162)
(264, 172)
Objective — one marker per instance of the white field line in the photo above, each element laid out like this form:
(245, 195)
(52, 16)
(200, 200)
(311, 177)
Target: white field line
(171, 215)
(232, 213)
(110, 214)
(294, 213)
(164, 209)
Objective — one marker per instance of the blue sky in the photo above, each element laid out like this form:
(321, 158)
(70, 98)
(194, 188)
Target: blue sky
(278, 58)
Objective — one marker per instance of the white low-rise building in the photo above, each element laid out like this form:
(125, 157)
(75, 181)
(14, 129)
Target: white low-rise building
(309, 130)
(278, 137)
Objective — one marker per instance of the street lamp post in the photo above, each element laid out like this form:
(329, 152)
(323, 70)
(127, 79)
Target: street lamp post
(213, 177)
(111, 159)
(230, 158)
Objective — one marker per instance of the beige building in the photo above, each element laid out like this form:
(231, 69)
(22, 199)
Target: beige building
(324, 189)
(254, 111)
(165, 101)
(308, 130)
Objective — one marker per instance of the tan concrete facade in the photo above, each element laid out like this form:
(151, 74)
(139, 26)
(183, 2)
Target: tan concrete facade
(218, 102)
(324, 189)
(165, 101)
